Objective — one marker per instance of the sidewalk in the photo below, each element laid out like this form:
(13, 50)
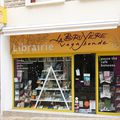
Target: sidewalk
(54, 118)
(34, 115)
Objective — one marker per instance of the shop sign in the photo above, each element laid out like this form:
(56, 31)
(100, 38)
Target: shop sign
(68, 42)
(2, 15)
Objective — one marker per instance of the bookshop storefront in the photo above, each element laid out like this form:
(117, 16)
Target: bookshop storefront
(68, 72)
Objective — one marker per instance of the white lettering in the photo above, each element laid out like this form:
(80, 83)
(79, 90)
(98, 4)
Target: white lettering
(50, 47)
(14, 48)
(33, 48)
(23, 48)
(30, 48)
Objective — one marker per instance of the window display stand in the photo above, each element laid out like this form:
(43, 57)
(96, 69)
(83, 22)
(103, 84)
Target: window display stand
(50, 70)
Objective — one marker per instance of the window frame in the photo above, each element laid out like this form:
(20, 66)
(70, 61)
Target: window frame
(44, 56)
(29, 3)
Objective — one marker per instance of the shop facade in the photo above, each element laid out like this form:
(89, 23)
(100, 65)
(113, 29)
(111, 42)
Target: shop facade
(75, 72)
(60, 58)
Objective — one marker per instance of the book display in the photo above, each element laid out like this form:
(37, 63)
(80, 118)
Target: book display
(109, 84)
(22, 92)
(106, 91)
(117, 94)
(44, 83)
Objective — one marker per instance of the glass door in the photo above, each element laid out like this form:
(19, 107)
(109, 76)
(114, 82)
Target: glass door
(84, 83)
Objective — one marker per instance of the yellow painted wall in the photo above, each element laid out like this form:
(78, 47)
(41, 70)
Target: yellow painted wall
(3, 16)
(68, 42)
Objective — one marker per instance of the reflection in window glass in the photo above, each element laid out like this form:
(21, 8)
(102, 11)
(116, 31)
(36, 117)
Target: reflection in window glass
(43, 83)
(109, 83)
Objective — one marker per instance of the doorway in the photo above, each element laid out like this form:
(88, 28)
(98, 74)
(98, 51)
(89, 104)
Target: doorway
(84, 87)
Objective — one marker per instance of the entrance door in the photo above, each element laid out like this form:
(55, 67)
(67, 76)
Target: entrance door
(84, 65)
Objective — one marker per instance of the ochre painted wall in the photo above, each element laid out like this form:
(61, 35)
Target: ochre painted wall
(68, 42)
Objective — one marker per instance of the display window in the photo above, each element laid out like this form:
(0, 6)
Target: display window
(43, 82)
(81, 83)
(109, 84)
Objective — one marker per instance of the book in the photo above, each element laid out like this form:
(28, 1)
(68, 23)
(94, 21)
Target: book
(106, 92)
(86, 79)
(77, 72)
(92, 104)
(81, 104)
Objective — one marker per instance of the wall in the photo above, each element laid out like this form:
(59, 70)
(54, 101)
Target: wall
(78, 11)
(5, 73)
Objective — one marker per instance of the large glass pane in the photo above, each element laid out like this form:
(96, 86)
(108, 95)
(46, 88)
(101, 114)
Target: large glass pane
(109, 83)
(43, 83)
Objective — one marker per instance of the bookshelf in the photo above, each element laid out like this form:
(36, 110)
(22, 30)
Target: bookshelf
(52, 99)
